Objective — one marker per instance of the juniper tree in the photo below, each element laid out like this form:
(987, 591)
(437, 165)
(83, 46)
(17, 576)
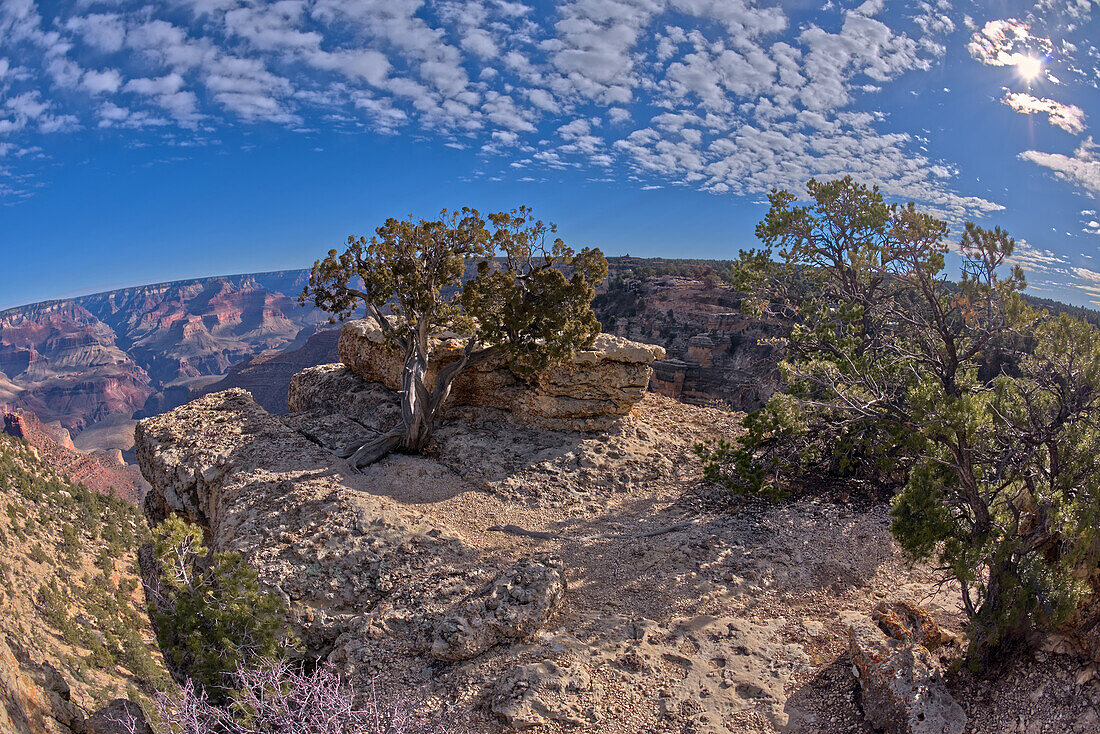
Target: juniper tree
(886, 373)
(520, 305)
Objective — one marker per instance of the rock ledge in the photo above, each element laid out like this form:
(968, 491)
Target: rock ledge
(589, 393)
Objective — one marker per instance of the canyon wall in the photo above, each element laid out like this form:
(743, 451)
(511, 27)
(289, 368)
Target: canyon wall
(716, 354)
(84, 360)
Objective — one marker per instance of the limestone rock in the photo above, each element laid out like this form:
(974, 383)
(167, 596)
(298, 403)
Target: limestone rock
(903, 692)
(336, 389)
(541, 693)
(330, 549)
(118, 717)
(53, 681)
(598, 385)
(35, 701)
(515, 606)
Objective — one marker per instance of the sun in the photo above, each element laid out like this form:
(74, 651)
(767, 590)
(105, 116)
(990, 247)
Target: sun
(1029, 67)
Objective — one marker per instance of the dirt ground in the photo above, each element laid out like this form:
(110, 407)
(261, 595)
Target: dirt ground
(685, 612)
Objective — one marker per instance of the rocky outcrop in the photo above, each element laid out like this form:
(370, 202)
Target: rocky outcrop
(902, 688)
(37, 700)
(102, 471)
(29, 704)
(715, 352)
(514, 607)
(455, 611)
(120, 716)
(590, 392)
(329, 549)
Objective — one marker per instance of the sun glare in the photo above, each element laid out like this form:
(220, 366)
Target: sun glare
(1029, 67)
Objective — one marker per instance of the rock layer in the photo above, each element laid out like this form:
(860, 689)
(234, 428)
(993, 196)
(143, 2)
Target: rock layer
(589, 393)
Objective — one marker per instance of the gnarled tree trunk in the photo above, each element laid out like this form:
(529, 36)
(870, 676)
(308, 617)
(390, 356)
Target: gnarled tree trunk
(420, 408)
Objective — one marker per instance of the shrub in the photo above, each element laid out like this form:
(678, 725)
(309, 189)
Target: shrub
(275, 696)
(38, 554)
(208, 610)
(983, 410)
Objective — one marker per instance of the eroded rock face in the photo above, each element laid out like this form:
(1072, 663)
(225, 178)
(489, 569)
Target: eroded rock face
(515, 606)
(30, 703)
(589, 393)
(118, 717)
(903, 691)
(262, 489)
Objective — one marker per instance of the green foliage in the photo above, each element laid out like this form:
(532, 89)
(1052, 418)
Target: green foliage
(38, 554)
(209, 613)
(97, 616)
(528, 302)
(982, 410)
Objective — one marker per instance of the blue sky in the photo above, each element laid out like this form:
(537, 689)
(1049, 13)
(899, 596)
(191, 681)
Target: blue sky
(144, 142)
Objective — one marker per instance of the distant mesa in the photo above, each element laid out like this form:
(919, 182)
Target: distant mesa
(90, 360)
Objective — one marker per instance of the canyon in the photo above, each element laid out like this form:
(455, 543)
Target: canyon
(97, 363)
(88, 360)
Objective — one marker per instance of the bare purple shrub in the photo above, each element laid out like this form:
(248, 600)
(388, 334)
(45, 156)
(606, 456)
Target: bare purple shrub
(278, 697)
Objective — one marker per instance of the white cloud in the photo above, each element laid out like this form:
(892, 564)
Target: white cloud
(167, 84)
(102, 82)
(1000, 42)
(1082, 168)
(105, 32)
(480, 43)
(1066, 116)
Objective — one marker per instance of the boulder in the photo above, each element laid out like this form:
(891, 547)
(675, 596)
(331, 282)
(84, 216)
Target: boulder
(588, 393)
(514, 607)
(902, 689)
(118, 717)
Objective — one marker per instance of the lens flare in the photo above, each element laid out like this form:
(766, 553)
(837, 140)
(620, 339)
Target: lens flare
(1029, 67)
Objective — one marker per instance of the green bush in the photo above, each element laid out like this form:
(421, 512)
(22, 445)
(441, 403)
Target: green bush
(38, 554)
(217, 617)
(982, 410)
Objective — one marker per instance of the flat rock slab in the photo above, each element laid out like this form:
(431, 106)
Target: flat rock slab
(334, 388)
(334, 431)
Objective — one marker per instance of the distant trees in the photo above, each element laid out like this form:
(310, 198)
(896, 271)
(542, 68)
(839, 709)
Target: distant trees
(530, 301)
(888, 376)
